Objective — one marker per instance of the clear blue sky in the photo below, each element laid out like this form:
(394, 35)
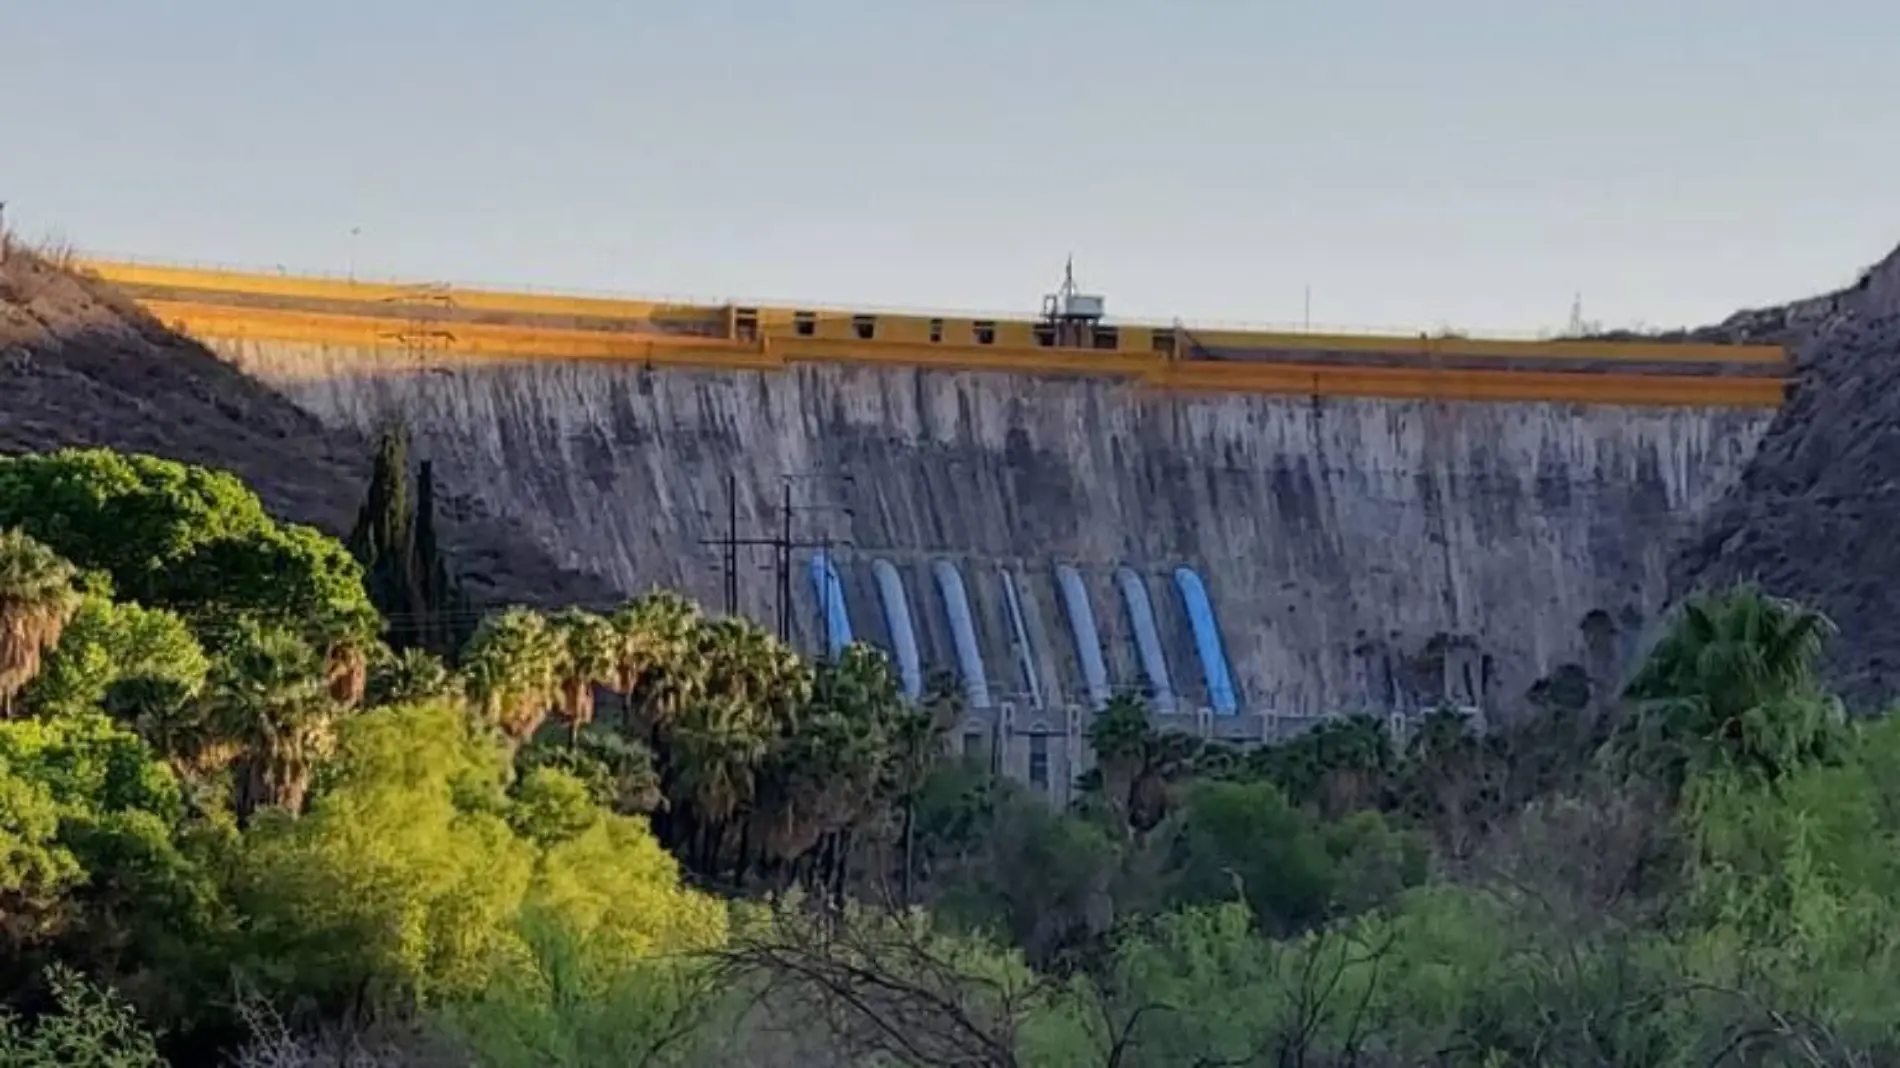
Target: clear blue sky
(1417, 162)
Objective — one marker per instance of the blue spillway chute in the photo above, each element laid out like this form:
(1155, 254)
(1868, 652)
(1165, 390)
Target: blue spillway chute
(1154, 663)
(835, 619)
(1025, 656)
(963, 631)
(1088, 640)
(1220, 685)
(890, 590)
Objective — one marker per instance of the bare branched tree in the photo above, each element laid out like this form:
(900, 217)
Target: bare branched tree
(884, 986)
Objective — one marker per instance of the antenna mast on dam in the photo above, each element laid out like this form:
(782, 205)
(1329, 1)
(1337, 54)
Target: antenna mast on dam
(1071, 314)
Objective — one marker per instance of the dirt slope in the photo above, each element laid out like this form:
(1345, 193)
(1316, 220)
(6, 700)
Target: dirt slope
(1817, 515)
(80, 365)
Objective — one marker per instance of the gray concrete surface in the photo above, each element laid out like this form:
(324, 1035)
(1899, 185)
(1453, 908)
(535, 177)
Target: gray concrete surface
(1360, 554)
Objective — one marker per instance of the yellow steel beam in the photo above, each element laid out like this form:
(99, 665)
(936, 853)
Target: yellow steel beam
(211, 282)
(489, 342)
(777, 323)
(1427, 384)
(225, 322)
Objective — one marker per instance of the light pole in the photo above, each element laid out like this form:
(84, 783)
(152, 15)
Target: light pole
(355, 232)
(4, 239)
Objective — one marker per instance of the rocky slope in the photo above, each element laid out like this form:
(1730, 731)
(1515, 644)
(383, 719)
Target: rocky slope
(81, 366)
(1817, 513)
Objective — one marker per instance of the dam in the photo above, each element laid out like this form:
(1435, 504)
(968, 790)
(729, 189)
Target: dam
(1251, 529)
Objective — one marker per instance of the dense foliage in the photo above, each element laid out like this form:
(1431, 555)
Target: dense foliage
(235, 823)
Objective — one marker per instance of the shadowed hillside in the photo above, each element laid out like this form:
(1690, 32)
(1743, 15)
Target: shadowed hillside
(81, 366)
(1814, 516)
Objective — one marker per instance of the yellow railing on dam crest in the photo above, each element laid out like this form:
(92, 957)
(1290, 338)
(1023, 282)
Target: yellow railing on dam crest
(487, 325)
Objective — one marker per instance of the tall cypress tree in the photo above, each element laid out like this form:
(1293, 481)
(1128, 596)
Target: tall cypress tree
(404, 570)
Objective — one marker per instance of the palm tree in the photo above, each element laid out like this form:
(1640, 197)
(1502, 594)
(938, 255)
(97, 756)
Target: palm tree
(716, 747)
(1352, 760)
(510, 670)
(410, 676)
(747, 664)
(1735, 682)
(654, 663)
(270, 700)
(36, 601)
(586, 648)
(831, 762)
(743, 688)
(1139, 766)
(346, 671)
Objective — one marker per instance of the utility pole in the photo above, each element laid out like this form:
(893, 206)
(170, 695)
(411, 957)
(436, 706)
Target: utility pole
(782, 543)
(5, 239)
(732, 544)
(824, 602)
(785, 566)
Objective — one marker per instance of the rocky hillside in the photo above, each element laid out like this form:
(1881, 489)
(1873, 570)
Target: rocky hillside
(1817, 514)
(82, 366)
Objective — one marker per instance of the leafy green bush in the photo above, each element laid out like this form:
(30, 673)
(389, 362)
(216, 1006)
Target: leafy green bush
(407, 877)
(568, 1004)
(141, 664)
(177, 536)
(88, 1028)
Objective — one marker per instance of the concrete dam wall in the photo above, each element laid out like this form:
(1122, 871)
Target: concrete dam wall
(1296, 555)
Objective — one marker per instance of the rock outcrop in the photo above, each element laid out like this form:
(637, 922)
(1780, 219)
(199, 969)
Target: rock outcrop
(1816, 516)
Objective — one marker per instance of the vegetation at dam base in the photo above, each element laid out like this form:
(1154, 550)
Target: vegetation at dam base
(248, 816)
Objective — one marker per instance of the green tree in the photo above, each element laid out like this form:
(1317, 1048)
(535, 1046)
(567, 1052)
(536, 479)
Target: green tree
(1452, 780)
(409, 677)
(553, 806)
(1338, 766)
(1733, 684)
(36, 601)
(1045, 879)
(510, 668)
(714, 746)
(584, 658)
(140, 664)
(1796, 888)
(394, 539)
(36, 869)
(570, 1005)
(713, 757)
(187, 538)
(100, 865)
(407, 881)
(620, 775)
(1139, 768)
(832, 765)
(88, 1028)
(1244, 842)
(270, 700)
(401, 881)
(655, 666)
